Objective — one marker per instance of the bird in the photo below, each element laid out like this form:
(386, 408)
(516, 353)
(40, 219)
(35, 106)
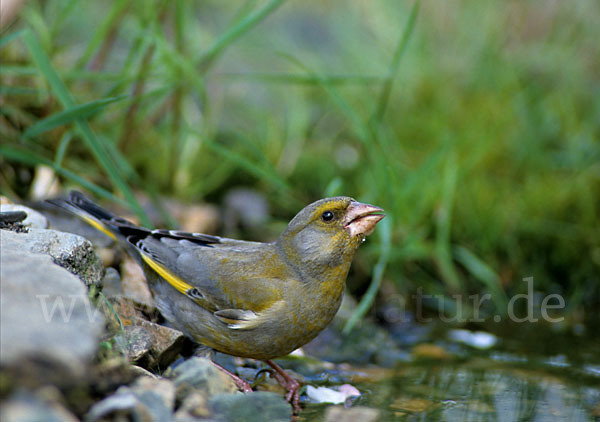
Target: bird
(243, 298)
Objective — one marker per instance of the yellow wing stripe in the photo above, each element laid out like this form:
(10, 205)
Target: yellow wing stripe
(97, 225)
(180, 285)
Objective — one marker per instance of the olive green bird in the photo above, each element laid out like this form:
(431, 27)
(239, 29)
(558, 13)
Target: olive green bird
(247, 299)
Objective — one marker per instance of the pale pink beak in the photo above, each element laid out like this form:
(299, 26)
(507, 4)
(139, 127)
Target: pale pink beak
(360, 219)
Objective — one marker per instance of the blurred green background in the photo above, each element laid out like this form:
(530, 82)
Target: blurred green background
(475, 124)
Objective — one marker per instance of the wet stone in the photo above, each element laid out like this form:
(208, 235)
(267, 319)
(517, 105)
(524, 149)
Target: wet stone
(257, 406)
(200, 375)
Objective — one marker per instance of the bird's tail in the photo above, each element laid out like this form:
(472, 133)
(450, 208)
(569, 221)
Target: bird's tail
(93, 214)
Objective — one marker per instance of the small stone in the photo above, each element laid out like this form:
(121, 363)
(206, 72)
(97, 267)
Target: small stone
(155, 388)
(138, 371)
(150, 345)
(133, 283)
(45, 183)
(200, 375)
(200, 218)
(194, 405)
(147, 400)
(353, 414)
(108, 255)
(12, 220)
(430, 351)
(111, 283)
(411, 404)
(122, 403)
(33, 220)
(257, 406)
(26, 406)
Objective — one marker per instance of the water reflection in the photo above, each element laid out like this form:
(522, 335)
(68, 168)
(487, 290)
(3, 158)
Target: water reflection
(460, 392)
(501, 386)
(521, 372)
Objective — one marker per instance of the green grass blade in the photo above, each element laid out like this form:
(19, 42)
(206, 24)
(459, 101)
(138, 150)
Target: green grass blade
(386, 89)
(102, 32)
(70, 115)
(443, 225)
(62, 148)
(287, 78)
(9, 37)
(238, 29)
(18, 90)
(60, 90)
(32, 159)
(263, 173)
(482, 272)
(334, 187)
(18, 70)
(357, 122)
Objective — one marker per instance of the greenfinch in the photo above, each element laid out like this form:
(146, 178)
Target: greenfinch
(247, 299)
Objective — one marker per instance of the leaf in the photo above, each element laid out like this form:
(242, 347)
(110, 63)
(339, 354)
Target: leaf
(69, 116)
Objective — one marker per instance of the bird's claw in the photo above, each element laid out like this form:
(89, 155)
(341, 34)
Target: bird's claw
(291, 385)
(293, 394)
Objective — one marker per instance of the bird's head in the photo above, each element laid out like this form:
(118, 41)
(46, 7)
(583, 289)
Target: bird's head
(328, 231)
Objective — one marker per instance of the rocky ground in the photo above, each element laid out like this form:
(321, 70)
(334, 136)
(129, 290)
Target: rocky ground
(82, 340)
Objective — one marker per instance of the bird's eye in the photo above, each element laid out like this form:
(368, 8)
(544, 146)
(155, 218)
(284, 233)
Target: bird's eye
(327, 216)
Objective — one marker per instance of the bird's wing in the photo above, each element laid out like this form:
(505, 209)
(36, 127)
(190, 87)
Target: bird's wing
(238, 281)
(239, 293)
(239, 319)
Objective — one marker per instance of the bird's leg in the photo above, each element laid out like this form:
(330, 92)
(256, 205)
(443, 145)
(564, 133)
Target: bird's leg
(290, 384)
(241, 384)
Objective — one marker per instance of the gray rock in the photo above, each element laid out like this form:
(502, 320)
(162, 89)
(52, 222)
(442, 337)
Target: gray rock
(150, 345)
(46, 317)
(25, 406)
(257, 406)
(111, 283)
(67, 250)
(147, 399)
(138, 372)
(200, 375)
(353, 414)
(33, 220)
(194, 406)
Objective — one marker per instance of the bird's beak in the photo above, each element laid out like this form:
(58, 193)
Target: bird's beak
(361, 218)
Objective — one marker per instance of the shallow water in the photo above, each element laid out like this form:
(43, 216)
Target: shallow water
(535, 374)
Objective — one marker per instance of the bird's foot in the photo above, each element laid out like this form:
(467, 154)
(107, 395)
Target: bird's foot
(241, 384)
(291, 385)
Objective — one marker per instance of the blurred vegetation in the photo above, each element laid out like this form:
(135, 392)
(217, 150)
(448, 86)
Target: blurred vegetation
(476, 125)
